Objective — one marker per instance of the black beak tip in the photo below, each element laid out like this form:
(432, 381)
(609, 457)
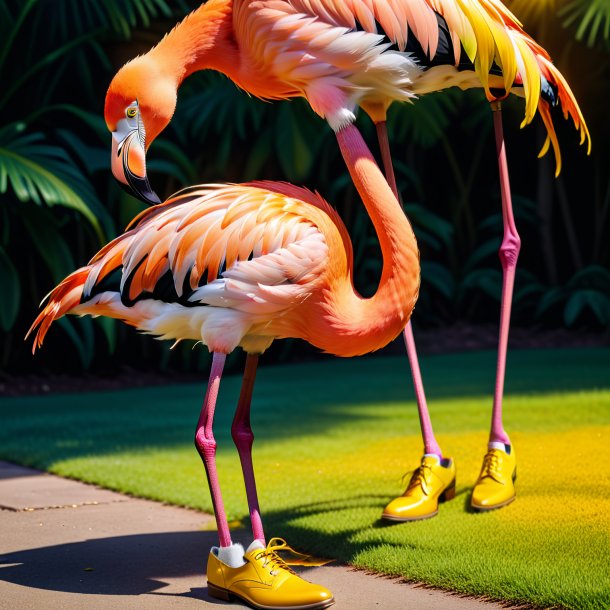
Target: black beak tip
(149, 196)
(140, 189)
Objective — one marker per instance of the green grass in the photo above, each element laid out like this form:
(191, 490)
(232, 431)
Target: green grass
(334, 438)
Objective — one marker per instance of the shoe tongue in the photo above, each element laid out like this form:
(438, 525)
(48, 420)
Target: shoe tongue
(256, 545)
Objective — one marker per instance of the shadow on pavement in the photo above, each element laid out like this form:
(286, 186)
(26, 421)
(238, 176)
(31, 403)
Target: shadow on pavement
(122, 565)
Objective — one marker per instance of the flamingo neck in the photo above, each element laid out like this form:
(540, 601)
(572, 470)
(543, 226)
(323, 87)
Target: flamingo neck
(353, 325)
(203, 40)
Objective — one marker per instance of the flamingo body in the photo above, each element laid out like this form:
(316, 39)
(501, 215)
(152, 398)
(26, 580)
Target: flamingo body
(339, 55)
(372, 52)
(238, 265)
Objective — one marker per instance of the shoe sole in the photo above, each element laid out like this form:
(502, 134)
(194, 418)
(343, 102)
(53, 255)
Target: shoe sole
(405, 519)
(227, 596)
(445, 496)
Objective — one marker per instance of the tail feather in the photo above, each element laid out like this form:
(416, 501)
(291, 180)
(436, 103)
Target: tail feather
(61, 300)
(546, 70)
(569, 106)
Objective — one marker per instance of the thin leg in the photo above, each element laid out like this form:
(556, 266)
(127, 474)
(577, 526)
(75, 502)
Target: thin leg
(430, 443)
(206, 446)
(242, 434)
(509, 253)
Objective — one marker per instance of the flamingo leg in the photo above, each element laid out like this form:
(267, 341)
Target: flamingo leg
(206, 446)
(243, 437)
(509, 253)
(430, 443)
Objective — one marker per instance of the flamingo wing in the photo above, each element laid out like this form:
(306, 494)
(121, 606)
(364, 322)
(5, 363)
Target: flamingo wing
(211, 263)
(464, 43)
(240, 246)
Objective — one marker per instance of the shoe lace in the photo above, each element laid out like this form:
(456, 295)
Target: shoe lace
(492, 465)
(276, 563)
(422, 477)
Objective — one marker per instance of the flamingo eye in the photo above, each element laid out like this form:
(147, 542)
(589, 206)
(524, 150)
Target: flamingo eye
(131, 112)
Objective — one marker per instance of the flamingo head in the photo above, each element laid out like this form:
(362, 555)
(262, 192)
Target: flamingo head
(139, 104)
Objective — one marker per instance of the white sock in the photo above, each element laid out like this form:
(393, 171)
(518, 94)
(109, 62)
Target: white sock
(233, 555)
(256, 544)
(496, 445)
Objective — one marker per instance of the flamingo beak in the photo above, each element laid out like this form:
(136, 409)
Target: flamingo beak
(129, 162)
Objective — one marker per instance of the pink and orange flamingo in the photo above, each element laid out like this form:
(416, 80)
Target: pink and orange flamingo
(341, 55)
(241, 266)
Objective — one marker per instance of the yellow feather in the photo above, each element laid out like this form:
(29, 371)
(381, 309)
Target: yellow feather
(552, 137)
(485, 42)
(531, 80)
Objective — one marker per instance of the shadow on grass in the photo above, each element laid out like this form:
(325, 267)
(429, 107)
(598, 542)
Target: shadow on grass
(289, 401)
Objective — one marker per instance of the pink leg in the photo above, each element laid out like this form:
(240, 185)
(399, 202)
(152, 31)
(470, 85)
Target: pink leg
(509, 253)
(206, 446)
(243, 438)
(430, 443)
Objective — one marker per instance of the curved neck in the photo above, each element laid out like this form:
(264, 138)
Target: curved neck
(369, 324)
(202, 40)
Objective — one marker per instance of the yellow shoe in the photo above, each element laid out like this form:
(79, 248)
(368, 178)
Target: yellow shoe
(264, 580)
(431, 483)
(495, 487)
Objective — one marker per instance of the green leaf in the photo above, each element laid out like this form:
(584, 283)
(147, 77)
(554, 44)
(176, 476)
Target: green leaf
(580, 301)
(46, 239)
(43, 173)
(57, 53)
(439, 277)
(83, 341)
(481, 253)
(429, 227)
(552, 298)
(591, 19)
(95, 158)
(425, 123)
(488, 281)
(118, 16)
(528, 289)
(108, 326)
(93, 121)
(408, 177)
(594, 277)
(260, 151)
(293, 149)
(11, 292)
(176, 163)
(13, 31)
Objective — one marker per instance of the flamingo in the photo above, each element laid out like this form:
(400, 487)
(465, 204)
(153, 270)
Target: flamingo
(341, 55)
(242, 265)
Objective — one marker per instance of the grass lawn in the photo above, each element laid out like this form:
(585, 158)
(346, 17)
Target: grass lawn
(332, 442)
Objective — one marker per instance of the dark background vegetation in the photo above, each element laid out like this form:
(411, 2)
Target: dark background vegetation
(59, 203)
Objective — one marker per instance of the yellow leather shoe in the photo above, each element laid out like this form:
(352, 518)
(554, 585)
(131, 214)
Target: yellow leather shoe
(495, 487)
(264, 580)
(431, 483)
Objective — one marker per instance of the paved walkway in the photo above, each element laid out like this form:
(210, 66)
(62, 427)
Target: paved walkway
(70, 546)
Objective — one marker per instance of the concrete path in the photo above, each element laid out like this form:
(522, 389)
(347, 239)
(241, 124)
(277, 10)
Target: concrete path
(69, 546)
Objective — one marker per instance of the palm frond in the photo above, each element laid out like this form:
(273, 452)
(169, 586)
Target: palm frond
(591, 18)
(11, 291)
(44, 174)
(531, 12)
(425, 123)
(60, 19)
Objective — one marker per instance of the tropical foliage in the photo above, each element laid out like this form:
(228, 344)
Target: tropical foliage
(59, 202)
